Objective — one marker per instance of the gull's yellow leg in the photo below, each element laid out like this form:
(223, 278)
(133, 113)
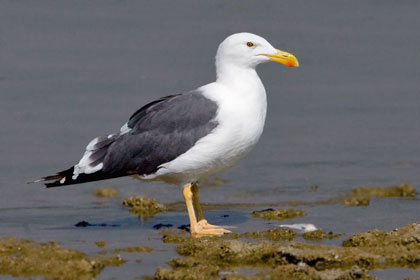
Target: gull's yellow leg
(198, 225)
(188, 195)
(196, 202)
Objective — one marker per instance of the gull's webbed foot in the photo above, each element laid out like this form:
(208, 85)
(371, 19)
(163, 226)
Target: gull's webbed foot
(203, 228)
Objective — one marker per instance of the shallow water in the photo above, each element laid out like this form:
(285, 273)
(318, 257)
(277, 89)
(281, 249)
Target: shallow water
(349, 116)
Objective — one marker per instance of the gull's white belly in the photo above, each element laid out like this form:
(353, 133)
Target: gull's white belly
(240, 124)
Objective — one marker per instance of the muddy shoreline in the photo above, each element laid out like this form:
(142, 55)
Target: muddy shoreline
(263, 254)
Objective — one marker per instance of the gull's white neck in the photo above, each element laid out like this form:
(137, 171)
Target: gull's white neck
(242, 104)
(238, 77)
(244, 85)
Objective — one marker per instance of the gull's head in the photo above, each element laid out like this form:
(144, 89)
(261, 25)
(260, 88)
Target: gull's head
(248, 50)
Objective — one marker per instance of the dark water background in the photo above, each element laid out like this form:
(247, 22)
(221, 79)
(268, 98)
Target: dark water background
(74, 70)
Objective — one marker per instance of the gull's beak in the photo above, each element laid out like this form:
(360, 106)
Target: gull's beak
(286, 58)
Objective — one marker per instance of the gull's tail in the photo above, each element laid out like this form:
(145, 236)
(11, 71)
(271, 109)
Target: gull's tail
(89, 168)
(68, 177)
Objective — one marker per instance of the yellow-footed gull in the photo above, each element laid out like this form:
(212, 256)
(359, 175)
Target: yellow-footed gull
(186, 137)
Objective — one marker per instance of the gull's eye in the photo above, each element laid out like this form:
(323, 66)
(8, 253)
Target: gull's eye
(250, 44)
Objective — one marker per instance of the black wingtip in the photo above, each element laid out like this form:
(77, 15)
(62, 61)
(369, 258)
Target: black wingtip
(53, 184)
(65, 178)
(62, 178)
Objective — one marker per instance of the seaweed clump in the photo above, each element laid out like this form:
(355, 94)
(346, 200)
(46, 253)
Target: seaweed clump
(405, 238)
(100, 243)
(319, 234)
(215, 258)
(133, 250)
(361, 196)
(171, 236)
(278, 214)
(212, 258)
(275, 234)
(105, 192)
(286, 234)
(27, 258)
(143, 206)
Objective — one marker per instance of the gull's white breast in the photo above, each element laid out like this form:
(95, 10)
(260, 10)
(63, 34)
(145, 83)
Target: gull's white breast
(240, 117)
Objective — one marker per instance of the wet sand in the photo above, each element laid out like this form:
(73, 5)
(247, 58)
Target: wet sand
(348, 117)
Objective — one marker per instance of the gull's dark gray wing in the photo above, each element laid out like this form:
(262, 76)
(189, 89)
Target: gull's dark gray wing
(157, 133)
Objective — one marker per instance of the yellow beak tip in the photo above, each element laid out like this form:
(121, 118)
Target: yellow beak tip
(285, 58)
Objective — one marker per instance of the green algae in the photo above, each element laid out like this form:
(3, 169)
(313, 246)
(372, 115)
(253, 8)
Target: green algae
(143, 206)
(27, 258)
(285, 234)
(278, 214)
(215, 258)
(172, 236)
(100, 243)
(275, 234)
(407, 237)
(206, 259)
(361, 196)
(133, 250)
(303, 271)
(105, 192)
(319, 234)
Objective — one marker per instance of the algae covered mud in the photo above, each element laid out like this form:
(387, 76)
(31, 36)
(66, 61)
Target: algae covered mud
(20, 257)
(228, 258)
(275, 253)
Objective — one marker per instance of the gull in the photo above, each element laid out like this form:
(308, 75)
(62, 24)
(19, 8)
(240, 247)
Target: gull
(187, 137)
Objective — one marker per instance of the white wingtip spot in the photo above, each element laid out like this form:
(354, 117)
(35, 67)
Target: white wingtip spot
(63, 180)
(83, 167)
(75, 172)
(93, 169)
(92, 144)
(125, 129)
